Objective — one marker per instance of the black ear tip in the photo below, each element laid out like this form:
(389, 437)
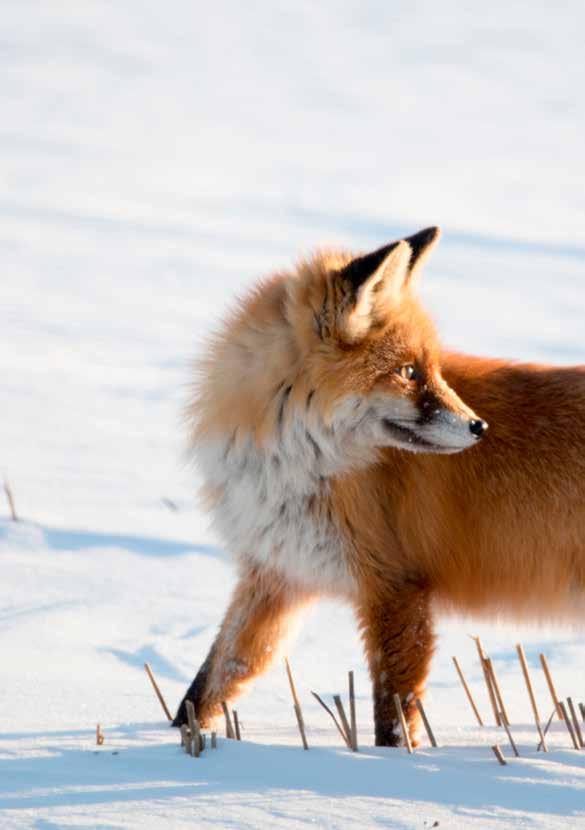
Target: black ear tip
(428, 235)
(421, 240)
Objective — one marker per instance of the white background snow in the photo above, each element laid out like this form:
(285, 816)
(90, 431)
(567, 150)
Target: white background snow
(155, 159)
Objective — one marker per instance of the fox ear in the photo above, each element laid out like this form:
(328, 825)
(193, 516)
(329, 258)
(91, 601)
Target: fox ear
(421, 243)
(369, 285)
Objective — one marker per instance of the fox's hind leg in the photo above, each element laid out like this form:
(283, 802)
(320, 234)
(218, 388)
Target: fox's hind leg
(257, 619)
(399, 640)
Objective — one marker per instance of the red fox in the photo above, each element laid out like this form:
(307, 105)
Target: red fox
(344, 453)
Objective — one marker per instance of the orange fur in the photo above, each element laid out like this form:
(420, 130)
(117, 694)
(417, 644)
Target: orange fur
(496, 528)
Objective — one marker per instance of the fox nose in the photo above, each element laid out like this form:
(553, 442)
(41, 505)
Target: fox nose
(478, 428)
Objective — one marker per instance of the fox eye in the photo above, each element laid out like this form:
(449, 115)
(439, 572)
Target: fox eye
(408, 372)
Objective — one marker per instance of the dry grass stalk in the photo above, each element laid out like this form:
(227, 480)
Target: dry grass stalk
(99, 735)
(229, 729)
(582, 710)
(352, 715)
(291, 682)
(487, 678)
(214, 740)
(196, 737)
(426, 723)
(342, 717)
(402, 721)
(467, 692)
(547, 727)
(569, 725)
(237, 726)
(551, 685)
(297, 705)
(158, 692)
(524, 665)
(575, 722)
(509, 734)
(502, 712)
(301, 725)
(335, 721)
(499, 755)
(10, 498)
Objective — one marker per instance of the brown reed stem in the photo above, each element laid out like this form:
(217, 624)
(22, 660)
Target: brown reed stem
(342, 717)
(551, 685)
(158, 692)
(10, 498)
(301, 725)
(425, 721)
(297, 705)
(487, 678)
(335, 721)
(575, 722)
(510, 738)
(352, 715)
(569, 725)
(503, 714)
(547, 727)
(99, 735)
(237, 726)
(291, 682)
(467, 691)
(402, 721)
(499, 755)
(194, 730)
(524, 665)
(229, 729)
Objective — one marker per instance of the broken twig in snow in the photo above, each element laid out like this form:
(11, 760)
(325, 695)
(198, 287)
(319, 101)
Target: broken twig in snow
(551, 685)
(342, 717)
(158, 692)
(229, 729)
(524, 665)
(237, 726)
(499, 755)
(335, 721)
(503, 714)
(569, 725)
(467, 691)
(425, 721)
(10, 497)
(547, 727)
(297, 706)
(509, 734)
(352, 715)
(402, 721)
(487, 678)
(575, 722)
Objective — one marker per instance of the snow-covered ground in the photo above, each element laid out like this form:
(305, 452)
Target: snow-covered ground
(154, 160)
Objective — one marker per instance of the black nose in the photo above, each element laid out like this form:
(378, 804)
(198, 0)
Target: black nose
(478, 428)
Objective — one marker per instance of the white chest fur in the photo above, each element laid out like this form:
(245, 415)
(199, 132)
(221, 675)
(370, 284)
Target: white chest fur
(272, 507)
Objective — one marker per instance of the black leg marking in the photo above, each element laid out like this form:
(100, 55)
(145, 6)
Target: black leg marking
(196, 691)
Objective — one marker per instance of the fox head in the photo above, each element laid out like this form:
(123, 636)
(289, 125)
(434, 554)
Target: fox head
(371, 353)
(323, 366)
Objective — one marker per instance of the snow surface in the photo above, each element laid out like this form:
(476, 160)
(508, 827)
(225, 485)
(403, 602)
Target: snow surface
(155, 159)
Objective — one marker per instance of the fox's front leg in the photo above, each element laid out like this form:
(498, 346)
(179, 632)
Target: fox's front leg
(399, 640)
(256, 620)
